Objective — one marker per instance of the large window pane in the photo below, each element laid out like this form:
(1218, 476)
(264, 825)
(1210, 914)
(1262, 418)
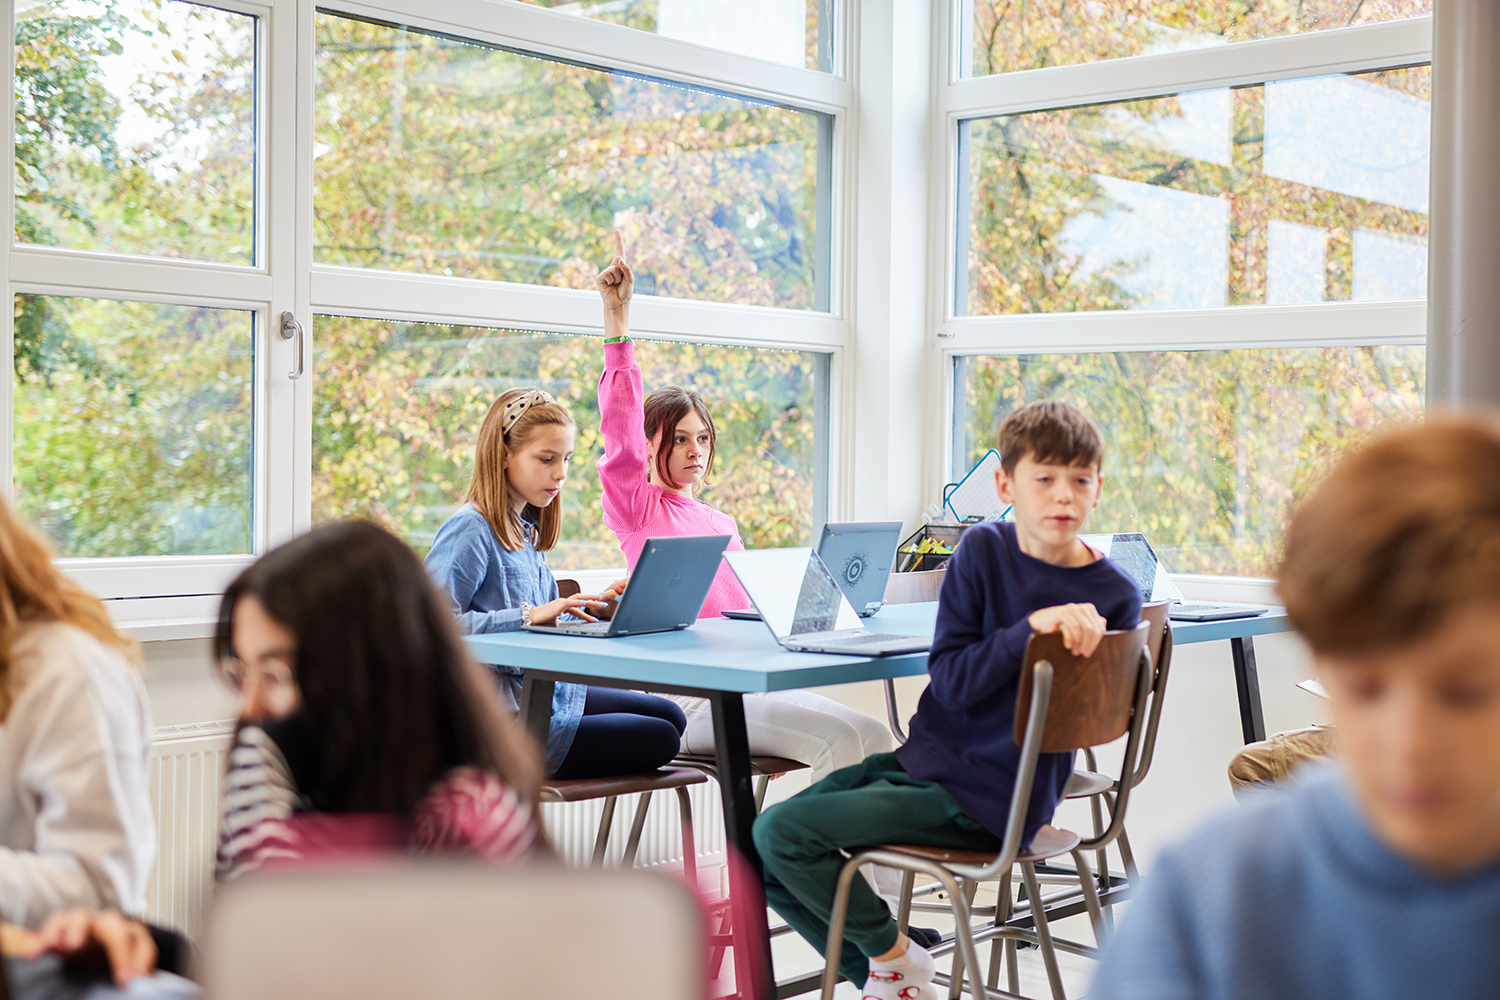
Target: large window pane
(790, 32)
(133, 426)
(1205, 451)
(398, 407)
(1009, 35)
(1300, 191)
(443, 156)
(135, 128)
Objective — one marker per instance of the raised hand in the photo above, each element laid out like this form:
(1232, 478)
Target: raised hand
(616, 282)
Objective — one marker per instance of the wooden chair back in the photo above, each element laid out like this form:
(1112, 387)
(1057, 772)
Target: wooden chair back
(1155, 615)
(568, 588)
(914, 588)
(1092, 698)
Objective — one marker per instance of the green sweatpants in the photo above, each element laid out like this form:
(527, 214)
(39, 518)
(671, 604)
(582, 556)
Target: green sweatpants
(802, 843)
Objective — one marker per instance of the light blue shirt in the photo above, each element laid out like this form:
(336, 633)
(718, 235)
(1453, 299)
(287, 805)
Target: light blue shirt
(1292, 895)
(488, 584)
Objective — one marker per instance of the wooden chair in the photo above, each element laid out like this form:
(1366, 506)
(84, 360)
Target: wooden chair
(763, 768)
(1065, 703)
(1088, 783)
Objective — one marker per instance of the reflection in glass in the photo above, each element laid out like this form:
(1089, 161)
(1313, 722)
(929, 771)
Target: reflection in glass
(781, 31)
(1214, 198)
(133, 428)
(1205, 451)
(135, 128)
(442, 156)
(397, 407)
(1008, 35)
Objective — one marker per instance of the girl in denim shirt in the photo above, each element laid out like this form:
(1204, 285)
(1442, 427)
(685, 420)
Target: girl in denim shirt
(489, 558)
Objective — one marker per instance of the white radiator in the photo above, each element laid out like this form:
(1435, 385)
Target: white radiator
(187, 770)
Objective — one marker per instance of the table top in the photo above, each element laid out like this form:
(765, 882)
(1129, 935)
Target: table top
(719, 654)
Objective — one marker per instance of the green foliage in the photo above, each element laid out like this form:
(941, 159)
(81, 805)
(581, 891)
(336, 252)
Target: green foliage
(1029, 34)
(398, 408)
(1206, 452)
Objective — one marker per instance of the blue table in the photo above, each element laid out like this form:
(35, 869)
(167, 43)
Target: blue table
(723, 660)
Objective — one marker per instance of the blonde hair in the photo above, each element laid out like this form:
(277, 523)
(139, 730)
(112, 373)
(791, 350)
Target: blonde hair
(510, 424)
(32, 589)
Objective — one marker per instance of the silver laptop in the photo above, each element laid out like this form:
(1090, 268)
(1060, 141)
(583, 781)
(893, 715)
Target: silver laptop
(859, 554)
(666, 591)
(802, 605)
(1132, 553)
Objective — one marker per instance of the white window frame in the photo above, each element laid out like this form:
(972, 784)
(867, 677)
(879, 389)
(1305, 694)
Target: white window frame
(1316, 53)
(174, 596)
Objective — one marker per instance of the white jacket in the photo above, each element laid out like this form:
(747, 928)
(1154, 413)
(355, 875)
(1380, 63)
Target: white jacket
(76, 822)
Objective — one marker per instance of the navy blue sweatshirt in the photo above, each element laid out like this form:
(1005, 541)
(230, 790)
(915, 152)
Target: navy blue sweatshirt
(962, 735)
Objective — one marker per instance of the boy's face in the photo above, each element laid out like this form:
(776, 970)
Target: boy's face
(1050, 500)
(1419, 729)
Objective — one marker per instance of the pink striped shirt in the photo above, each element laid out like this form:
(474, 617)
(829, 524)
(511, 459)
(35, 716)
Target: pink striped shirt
(635, 509)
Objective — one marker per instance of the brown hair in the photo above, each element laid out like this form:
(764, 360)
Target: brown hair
(390, 694)
(489, 489)
(1400, 535)
(664, 410)
(1050, 431)
(32, 589)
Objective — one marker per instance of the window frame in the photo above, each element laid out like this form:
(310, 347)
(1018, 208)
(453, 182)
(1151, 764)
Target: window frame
(1363, 48)
(182, 590)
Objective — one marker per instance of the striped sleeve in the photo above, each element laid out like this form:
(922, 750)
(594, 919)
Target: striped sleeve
(259, 800)
(471, 811)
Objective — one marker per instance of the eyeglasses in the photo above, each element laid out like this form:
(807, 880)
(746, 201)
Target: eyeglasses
(271, 675)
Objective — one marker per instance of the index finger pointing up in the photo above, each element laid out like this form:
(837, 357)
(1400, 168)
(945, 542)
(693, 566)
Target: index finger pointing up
(620, 244)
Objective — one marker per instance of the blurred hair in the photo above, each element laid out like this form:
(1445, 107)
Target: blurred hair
(664, 410)
(1051, 431)
(1401, 534)
(489, 488)
(32, 589)
(389, 692)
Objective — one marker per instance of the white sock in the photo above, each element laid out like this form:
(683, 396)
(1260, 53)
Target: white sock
(904, 978)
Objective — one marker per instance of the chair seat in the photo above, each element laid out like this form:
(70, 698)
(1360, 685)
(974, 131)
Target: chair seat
(1049, 842)
(579, 789)
(1085, 783)
(758, 765)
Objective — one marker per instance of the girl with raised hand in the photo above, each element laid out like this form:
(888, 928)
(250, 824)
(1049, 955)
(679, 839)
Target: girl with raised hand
(76, 824)
(657, 450)
(364, 725)
(489, 558)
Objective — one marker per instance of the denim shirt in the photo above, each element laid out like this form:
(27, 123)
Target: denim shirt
(488, 585)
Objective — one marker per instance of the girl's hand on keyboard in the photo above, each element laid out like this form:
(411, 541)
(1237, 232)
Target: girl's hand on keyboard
(577, 605)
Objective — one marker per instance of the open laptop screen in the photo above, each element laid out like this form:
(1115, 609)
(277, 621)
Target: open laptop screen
(793, 591)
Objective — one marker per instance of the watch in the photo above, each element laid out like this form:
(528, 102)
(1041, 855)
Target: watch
(525, 613)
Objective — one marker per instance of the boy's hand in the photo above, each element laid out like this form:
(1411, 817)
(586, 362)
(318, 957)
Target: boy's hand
(1081, 626)
(616, 282)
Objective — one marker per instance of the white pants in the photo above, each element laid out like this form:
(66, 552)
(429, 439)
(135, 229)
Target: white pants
(798, 725)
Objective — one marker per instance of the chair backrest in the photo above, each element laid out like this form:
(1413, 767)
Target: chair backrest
(1092, 697)
(914, 588)
(568, 588)
(455, 929)
(1160, 645)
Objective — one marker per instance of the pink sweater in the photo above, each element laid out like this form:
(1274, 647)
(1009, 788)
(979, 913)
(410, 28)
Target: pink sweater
(635, 509)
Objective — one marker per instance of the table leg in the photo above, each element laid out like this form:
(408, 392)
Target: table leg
(1247, 686)
(752, 936)
(536, 706)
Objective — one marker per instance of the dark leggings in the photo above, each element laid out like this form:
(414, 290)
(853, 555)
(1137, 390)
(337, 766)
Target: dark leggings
(623, 732)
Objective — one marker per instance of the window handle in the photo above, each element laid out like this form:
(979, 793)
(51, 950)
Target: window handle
(291, 328)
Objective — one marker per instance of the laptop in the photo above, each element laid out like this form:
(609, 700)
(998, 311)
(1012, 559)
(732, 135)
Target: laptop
(1132, 553)
(802, 605)
(859, 554)
(666, 591)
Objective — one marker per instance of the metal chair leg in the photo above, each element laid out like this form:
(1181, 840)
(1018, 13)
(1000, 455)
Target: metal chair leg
(997, 945)
(689, 841)
(903, 909)
(956, 977)
(601, 839)
(1043, 932)
(1090, 896)
(637, 826)
(761, 784)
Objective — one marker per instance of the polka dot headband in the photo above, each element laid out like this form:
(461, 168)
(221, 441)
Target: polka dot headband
(518, 406)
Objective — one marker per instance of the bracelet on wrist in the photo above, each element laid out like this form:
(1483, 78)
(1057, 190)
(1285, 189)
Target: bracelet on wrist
(526, 610)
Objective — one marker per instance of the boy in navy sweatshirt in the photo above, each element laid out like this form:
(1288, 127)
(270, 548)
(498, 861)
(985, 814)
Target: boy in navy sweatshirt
(950, 784)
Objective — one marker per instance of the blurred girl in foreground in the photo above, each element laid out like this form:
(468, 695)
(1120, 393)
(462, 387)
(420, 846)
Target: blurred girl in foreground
(364, 725)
